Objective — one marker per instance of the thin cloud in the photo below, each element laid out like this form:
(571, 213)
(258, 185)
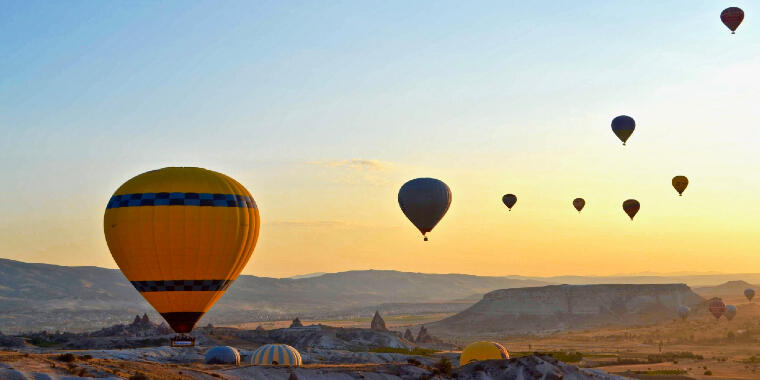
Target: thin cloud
(357, 171)
(356, 164)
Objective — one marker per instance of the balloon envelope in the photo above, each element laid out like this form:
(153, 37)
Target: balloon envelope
(578, 203)
(683, 312)
(732, 17)
(679, 183)
(424, 201)
(730, 312)
(509, 200)
(749, 293)
(623, 127)
(716, 307)
(482, 350)
(631, 207)
(181, 236)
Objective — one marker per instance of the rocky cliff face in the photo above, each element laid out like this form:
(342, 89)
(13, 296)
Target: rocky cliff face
(565, 307)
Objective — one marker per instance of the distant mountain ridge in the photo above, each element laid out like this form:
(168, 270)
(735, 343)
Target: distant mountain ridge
(34, 296)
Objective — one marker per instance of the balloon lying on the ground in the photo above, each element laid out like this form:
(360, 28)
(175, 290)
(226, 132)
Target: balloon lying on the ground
(482, 350)
(679, 183)
(579, 203)
(424, 201)
(732, 17)
(222, 355)
(276, 354)
(716, 307)
(730, 312)
(181, 236)
(509, 200)
(623, 127)
(749, 293)
(631, 207)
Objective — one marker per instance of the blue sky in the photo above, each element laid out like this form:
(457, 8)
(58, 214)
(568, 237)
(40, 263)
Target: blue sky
(284, 95)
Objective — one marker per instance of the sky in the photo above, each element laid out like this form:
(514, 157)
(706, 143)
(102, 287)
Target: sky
(324, 109)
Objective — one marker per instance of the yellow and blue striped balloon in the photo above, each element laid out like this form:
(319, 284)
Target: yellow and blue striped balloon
(181, 236)
(276, 354)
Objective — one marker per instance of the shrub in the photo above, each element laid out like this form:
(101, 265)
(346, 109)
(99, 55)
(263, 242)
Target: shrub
(708, 373)
(443, 365)
(67, 357)
(413, 362)
(139, 376)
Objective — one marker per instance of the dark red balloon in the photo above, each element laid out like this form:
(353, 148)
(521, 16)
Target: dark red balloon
(716, 307)
(732, 17)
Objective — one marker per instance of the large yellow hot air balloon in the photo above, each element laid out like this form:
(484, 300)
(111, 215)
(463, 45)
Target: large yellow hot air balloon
(181, 236)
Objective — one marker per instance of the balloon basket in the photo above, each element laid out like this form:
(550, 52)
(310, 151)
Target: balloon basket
(183, 341)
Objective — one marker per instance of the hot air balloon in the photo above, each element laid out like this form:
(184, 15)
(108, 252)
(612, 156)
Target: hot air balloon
(716, 307)
(679, 183)
(181, 236)
(424, 201)
(478, 351)
(276, 354)
(683, 312)
(732, 17)
(623, 127)
(509, 200)
(578, 203)
(730, 312)
(631, 207)
(749, 293)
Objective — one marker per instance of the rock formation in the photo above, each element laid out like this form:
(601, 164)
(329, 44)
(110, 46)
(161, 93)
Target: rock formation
(378, 324)
(423, 336)
(569, 307)
(296, 323)
(260, 328)
(408, 335)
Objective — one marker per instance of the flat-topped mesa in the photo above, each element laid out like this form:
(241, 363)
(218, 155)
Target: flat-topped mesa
(378, 324)
(565, 307)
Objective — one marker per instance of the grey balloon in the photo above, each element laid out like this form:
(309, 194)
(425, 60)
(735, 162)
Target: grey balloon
(424, 201)
(749, 293)
(683, 312)
(730, 312)
(223, 355)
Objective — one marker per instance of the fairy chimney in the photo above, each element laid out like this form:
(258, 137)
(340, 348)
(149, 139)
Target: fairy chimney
(378, 324)
(408, 335)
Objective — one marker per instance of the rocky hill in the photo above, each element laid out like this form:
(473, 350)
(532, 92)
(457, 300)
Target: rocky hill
(567, 307)
(43, 296)
(729, 289)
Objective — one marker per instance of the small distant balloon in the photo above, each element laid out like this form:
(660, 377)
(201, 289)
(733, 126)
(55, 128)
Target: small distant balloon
(578, 203)
(683, 312)
(623, 127)
(732, 17)
(424, 201)
(749, 293)
(730, 312)
(679, 183)
(631, 207)
(509, 200)
(716, 307)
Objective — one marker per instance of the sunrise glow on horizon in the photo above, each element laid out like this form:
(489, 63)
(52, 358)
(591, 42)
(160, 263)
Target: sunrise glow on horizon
(322, 112)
